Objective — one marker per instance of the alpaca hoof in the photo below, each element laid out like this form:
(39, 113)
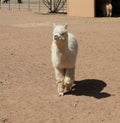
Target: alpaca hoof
(68, 87)
(61, 94)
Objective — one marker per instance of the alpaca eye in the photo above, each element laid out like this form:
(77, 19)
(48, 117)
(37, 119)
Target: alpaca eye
(62, 34)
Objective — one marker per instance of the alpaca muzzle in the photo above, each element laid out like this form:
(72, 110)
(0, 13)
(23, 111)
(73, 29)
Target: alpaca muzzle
(56, 37)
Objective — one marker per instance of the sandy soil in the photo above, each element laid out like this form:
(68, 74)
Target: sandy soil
(28, 91)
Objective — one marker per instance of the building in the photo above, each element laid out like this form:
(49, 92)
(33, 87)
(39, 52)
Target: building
(82, 8)
(90, 8)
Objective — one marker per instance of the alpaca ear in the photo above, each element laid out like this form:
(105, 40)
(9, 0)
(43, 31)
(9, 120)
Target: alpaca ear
(54, 25)
(66, 26)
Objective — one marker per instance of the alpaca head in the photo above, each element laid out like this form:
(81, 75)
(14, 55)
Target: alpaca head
(59, 32)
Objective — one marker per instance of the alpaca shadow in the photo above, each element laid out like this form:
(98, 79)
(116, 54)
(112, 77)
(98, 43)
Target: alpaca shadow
(89, 87)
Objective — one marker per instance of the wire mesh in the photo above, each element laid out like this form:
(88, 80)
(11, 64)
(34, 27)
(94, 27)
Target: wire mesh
(27, 5)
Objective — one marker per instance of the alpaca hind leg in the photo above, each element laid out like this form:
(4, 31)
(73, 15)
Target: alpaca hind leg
(60, 75)
(69, 78)
(110, 13)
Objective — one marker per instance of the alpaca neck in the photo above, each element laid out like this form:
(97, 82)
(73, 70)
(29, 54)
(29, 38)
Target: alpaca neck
(62, 45)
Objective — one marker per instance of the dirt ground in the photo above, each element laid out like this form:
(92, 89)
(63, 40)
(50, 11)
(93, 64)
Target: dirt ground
(28, 92)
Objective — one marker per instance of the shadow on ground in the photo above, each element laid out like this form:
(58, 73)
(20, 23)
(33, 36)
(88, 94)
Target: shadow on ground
(89, 87)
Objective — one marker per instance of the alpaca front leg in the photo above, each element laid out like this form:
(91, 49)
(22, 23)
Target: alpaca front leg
(60, 75)
(107, 13)
(69, 78)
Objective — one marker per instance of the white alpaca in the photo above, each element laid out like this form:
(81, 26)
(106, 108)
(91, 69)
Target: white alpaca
(64, 51)
(107, 9)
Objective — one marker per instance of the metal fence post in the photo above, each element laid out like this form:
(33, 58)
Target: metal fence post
(9, 5)
(28, 5)
(0, 4)
(19, 6)
(39, 5)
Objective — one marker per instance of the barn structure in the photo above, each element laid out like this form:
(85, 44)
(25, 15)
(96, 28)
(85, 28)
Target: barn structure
(90, 8)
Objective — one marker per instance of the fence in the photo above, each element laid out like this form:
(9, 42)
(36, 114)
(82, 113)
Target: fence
(28, 5)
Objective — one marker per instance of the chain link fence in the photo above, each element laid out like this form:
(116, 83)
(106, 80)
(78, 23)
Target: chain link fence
(27, 5)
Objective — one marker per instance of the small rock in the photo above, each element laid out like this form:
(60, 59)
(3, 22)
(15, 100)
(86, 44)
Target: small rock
(89, 112)
(75, 105)
(48, 102)
(102, 120)
(118, 49)
(1, 82)
(4, 120)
